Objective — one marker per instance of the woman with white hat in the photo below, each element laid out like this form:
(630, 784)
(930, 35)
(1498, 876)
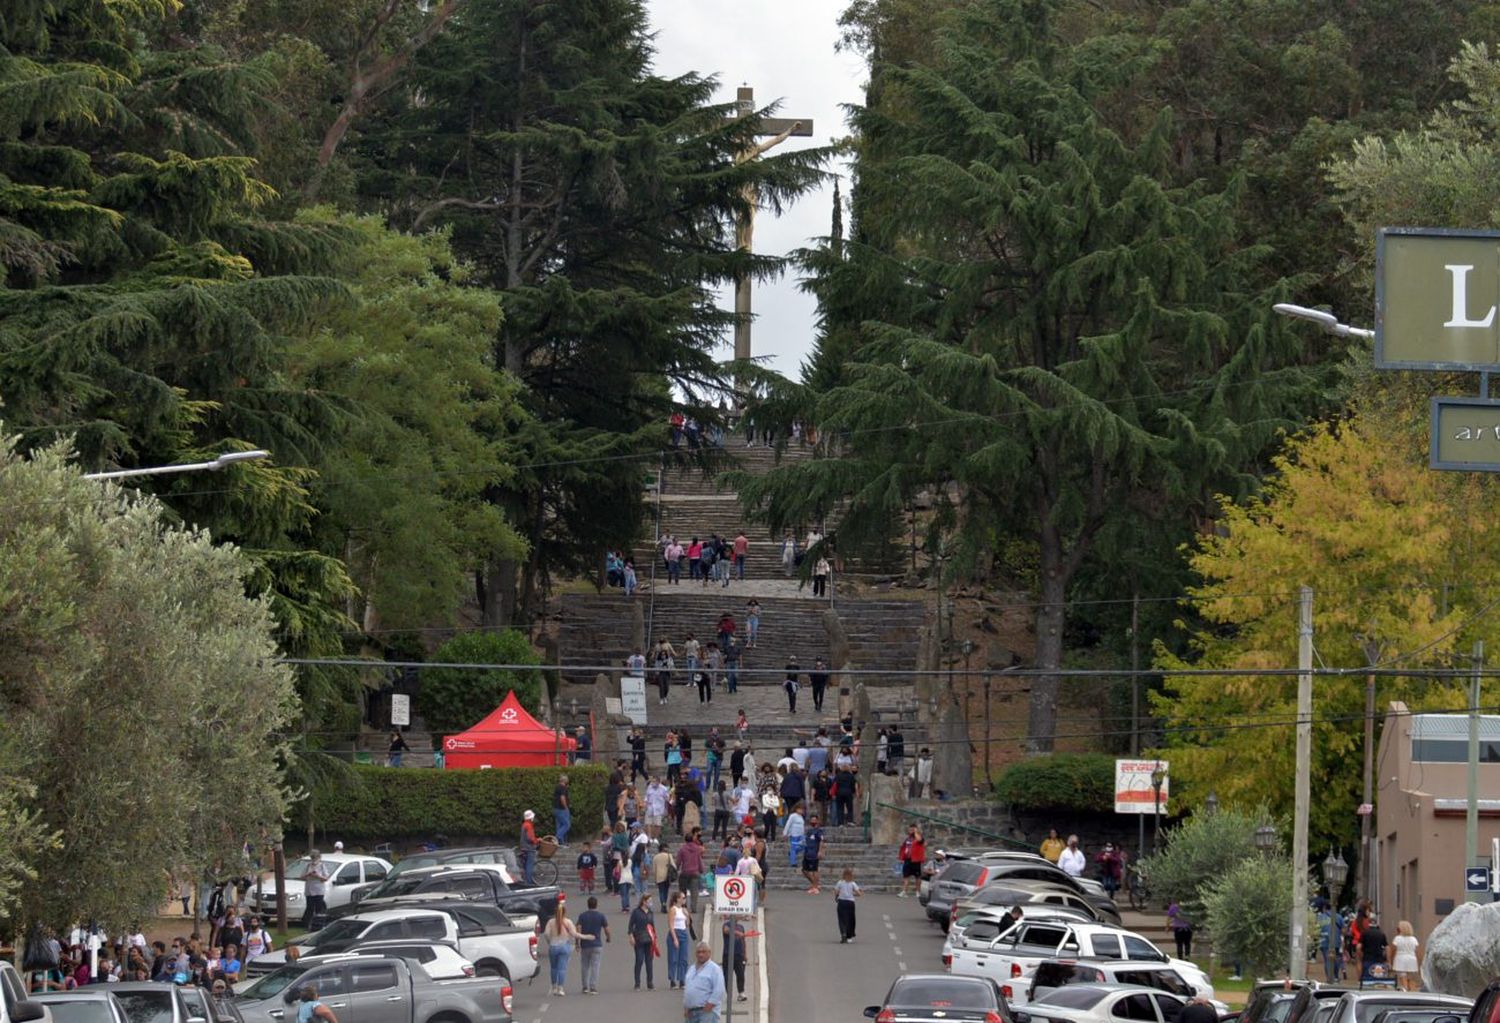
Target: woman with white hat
(528, 846)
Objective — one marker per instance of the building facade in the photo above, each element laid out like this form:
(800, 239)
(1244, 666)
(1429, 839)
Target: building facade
(1421, 803)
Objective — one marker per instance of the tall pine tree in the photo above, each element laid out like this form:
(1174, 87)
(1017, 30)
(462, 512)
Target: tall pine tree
(599, 199)
(1050, 335)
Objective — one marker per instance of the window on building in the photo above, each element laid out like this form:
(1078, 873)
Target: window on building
(1453, 751)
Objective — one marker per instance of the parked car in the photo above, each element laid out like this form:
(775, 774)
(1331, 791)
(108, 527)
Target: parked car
(1269, 1001)
(940, 998)
(346, 872)
(441, 959)
(478, 882)
(1312, 1004)
(201, 1002)
(986, 923)
(1012, 958)
(15, 1006)
(482, 934)
(378, 990)
(1365, 1006)
(1055, 973)
(1014, 891)
(147, 1001)
(1103, 1003)
(961, 878)
(92, 1004)
(501, 854)
(1428, 1014)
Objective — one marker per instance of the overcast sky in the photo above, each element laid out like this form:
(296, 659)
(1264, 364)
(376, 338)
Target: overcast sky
(785, 50)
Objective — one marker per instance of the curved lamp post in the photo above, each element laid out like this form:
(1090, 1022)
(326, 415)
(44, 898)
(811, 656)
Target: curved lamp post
(228, 458)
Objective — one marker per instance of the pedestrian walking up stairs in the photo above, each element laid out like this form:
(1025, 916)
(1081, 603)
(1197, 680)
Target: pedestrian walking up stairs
(372, 746)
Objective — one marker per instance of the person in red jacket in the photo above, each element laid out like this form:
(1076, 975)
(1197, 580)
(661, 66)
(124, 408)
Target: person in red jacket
(913, 855)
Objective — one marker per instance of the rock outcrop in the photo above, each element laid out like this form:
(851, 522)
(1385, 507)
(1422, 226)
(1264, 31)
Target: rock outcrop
(1463, 951)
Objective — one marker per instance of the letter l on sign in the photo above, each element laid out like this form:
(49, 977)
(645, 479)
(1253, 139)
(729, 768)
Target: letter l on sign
(1460, 274)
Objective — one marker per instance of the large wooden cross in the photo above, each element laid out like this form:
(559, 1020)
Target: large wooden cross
(776, 130)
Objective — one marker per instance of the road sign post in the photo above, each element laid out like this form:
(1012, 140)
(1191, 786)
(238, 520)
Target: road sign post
(734, 896)
(1476, 880)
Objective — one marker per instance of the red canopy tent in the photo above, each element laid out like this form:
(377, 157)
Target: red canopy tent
(507, 737)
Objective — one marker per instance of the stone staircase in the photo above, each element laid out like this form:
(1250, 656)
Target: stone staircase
(883, 634)
(375, 745)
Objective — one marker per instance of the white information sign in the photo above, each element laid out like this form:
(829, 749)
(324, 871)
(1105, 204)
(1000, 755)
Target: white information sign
(633, 698)
(734, 896)
(400, 709)
(1135, 791)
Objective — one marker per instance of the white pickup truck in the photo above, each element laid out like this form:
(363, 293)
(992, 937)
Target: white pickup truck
(1011, 958)
(484, 935)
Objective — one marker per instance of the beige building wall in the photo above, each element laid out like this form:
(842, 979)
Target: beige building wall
(1420, 803)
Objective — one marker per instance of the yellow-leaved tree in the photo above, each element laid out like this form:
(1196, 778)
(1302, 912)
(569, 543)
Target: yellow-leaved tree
(1402, 562)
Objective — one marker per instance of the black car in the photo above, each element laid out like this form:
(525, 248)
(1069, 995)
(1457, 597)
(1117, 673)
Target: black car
(483, 884)
(941, 998)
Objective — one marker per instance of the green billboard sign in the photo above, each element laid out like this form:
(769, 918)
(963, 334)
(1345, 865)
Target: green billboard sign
(1466, 434)
(1437, 299)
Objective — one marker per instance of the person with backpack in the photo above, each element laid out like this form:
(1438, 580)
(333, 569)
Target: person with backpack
(309, 1009)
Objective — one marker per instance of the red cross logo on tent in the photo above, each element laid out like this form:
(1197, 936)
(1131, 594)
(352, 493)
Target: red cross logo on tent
(509, 715)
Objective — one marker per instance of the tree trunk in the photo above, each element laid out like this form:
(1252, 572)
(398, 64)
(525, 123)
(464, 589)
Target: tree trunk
(1051, 615)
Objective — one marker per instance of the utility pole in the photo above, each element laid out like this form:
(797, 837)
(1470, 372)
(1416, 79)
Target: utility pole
(1366, 819)
(1471, 816)
(1135, 709)
(1297, 960)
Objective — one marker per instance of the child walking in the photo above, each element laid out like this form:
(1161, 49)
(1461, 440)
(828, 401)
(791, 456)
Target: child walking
(844, 894)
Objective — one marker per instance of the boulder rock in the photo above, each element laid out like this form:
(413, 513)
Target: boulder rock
(1463, 951)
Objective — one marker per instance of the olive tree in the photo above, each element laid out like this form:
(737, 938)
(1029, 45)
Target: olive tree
(140, 692)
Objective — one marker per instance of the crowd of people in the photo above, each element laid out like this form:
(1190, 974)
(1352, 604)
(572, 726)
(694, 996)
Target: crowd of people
(717, 560)
(214, 962)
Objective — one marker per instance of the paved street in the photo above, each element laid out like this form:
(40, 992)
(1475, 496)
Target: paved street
(813, 977)
(617, 1000)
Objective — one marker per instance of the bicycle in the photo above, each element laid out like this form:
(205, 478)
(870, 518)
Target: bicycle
(544, 870)
(1138, 887)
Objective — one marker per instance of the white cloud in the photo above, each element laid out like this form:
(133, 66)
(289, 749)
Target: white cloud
(785, 51)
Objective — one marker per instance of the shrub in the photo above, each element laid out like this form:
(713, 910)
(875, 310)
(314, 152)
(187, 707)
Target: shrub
(1062, 781)
(454, 699)
(1198, 852)
(386, 804)
(1248, 908)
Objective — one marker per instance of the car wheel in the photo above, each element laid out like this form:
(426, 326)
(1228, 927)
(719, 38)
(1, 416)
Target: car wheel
(490, 968)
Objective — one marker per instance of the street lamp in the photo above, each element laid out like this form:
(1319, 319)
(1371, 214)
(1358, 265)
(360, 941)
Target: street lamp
(1158, 778)
(1211, 804)
(228, 458)
(1335, 873)
(1265, 838)
(1328, 322)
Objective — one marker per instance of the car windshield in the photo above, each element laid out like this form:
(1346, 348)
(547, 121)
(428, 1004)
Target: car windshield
(147, 1006)
(412, 863)
(77, 1010)
(271, 985)
(339, 930)
(964, 872)
(297, 869)
(394, 885)
(1366, 1009)
(941, 994)
(1074, 997)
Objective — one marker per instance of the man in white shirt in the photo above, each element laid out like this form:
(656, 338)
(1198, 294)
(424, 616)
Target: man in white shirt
(1072, 859)
(788, 761)
(656, 807)
(800, 755)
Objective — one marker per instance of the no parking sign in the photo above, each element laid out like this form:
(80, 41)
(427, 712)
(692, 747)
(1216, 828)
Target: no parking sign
(734, 896)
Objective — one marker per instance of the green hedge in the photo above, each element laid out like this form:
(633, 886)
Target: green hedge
(384, 804)
(1061, 781)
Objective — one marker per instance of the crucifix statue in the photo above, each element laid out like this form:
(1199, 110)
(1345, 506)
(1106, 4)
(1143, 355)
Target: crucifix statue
(776, 130)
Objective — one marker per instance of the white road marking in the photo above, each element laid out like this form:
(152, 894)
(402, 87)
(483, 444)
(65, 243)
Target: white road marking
(901, 966)
(897, 950)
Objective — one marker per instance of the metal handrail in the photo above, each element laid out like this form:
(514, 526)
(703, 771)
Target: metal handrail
(968, 828)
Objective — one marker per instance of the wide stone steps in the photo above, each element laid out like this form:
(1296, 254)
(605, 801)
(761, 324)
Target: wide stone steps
(596, 630)
(842, 847)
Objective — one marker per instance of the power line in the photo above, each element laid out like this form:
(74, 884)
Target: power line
(1065, 673)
